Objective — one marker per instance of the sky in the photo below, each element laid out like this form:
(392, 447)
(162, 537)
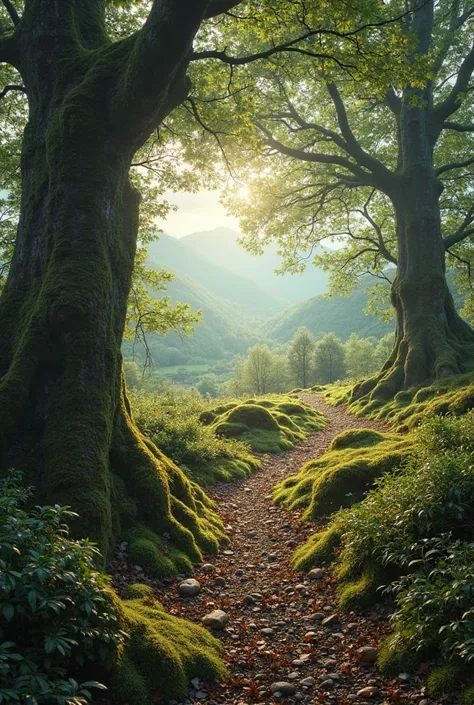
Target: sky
(196, 212)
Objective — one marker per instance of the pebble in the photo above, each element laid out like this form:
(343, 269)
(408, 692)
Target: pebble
(189, 588)
(367, 654)
(308, 682)
(327, 684)
(332, 620)
(369, 692)
(268, 631)
(216, 619)
(220, 582)
(285, 689)
(207, 567)
(316, 574)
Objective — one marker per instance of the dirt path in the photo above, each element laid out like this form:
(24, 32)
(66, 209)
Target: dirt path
(271, 635)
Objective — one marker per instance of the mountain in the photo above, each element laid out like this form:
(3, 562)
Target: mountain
(244, 294)
(221, 247)
(342, 315)
(223, 333)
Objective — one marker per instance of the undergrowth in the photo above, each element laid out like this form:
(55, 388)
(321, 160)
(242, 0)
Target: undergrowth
(414, 534)
(171, 421)
(268, 425)
(344, 474)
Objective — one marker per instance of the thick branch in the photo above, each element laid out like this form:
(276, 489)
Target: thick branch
(454, 165)
(452, 102)
(10, 8)
(317, 157)
(463, 231)
(457, 127)
(217, 7)
(383, 176)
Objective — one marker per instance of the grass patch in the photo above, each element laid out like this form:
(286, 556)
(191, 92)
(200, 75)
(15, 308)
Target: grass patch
(343, 475)
(267, 425)
(172, 420)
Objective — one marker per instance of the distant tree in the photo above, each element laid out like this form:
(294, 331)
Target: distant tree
(280, 377)
(300, 357)
(133, 375)
(258, 369)
(208, 386)
(383, 349)
(329, 359)
(360, 358)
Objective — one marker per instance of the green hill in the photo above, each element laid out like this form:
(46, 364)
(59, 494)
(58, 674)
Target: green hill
(243, 293)
(342, 315)
(223, 333)
(220, 246)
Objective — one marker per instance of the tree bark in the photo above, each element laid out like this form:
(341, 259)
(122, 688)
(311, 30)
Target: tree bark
(64, 415)
(432, 341)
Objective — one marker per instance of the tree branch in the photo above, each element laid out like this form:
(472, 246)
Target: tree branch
(218, 7)
(457, 127)
(454, 165)
(12, 87)
(383, 175)
(463, 231)
(452, 102)
(10, 8)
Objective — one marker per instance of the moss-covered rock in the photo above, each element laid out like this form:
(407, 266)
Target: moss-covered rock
(163, 653)
(344, 474)
(268, 425)
(319, 549)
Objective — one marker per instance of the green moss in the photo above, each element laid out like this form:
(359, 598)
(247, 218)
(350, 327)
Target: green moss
(394, 658)
(359, 593)
(138, 591)
(320, 549)
(445, 679)
(268, 425)
(344, 474)
(162, 655)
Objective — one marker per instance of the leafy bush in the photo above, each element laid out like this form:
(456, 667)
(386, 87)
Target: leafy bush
(56, 610)
(172, 421)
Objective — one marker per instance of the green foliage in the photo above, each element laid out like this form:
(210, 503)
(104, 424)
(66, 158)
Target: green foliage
(300, 357)
(360, 360)
(58, 617)
(344, 474)
(329, 357)
(172, 421)
(268, 425)
(413, 534)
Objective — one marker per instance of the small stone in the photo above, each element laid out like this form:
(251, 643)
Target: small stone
(249, 600)
(220, 582)
(200, 695)
(316, 574)
(367, 654)
(228, 552)
(239, 572)
(268, 631)
(189, 588)
(196, 683)
(310, 636)
(317, 616)
(327, 684)
(369, 692)
(293, 676)
(425, 701)
(216, 619)
(331, 621)
(307, 682)
(273, 557)
(404, 677)
(285, 689)
(207, 567)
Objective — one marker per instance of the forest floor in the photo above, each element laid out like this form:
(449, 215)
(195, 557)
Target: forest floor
(275, 631)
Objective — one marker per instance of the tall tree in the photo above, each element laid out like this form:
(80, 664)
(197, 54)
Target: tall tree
(359, 357)
(94, 98)
(377, 154)
(329, 360)
(300, 357)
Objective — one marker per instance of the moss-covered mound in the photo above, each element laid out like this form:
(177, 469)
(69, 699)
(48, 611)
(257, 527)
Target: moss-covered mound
(162, 654)
(179, 424)
(409, 408)
(344, 474)
(268, 425)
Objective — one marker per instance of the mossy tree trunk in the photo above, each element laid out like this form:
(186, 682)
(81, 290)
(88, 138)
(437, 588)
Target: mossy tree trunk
(431, 341)
(64, 415)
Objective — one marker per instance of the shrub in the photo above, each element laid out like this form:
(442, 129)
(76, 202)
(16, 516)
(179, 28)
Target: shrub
(57, 611)
(178, 422)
